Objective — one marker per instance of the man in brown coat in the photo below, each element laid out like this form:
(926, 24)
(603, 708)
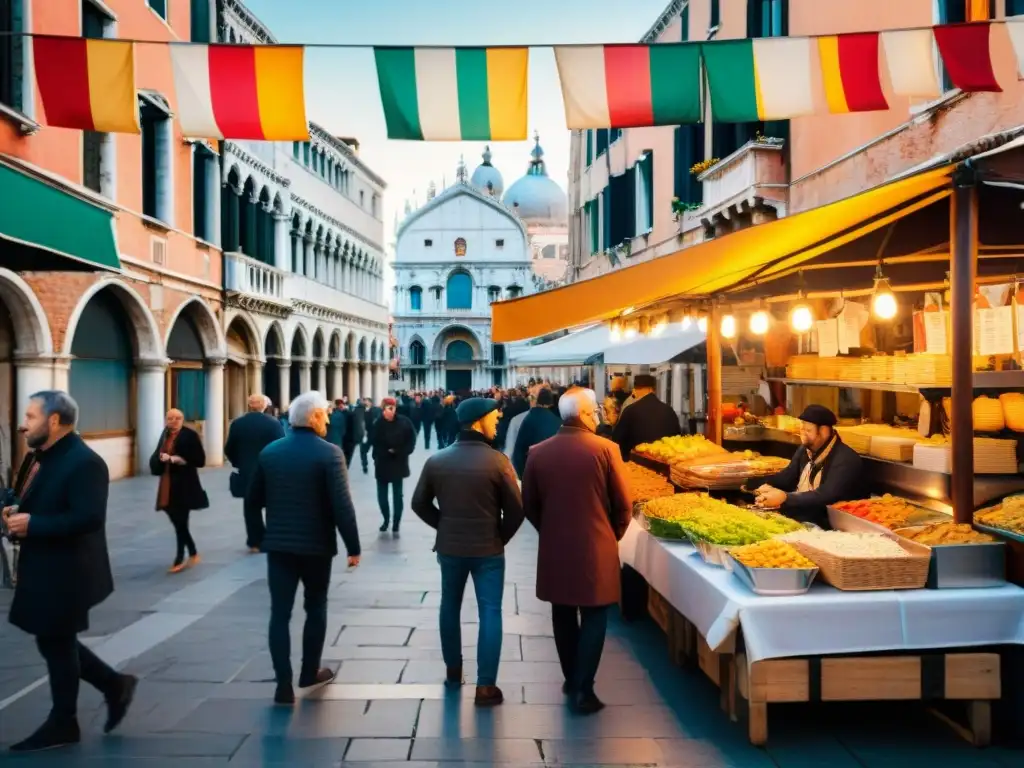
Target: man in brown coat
(576, 494)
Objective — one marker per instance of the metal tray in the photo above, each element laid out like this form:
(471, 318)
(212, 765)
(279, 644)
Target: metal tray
(958, 566)
(844, 521)
(712, 554)
(772, 582)
(1000, 532)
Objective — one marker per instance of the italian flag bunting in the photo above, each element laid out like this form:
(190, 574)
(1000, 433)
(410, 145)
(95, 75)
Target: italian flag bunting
(966, 52)
(760, 79)
(850, 72)
(626, 86)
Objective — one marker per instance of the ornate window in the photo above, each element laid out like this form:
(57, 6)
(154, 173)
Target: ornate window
(415, 298)
(460, 291)
(460, 246)
(417, 353)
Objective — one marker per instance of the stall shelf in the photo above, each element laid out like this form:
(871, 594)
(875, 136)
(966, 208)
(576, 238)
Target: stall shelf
(827, 645)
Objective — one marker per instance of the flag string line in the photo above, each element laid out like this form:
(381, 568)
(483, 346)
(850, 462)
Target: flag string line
(395, 46)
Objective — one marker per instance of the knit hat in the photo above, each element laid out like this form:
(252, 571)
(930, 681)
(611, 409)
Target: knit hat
(644, 381)
(388, 401)
(475, 408)
(818, 415)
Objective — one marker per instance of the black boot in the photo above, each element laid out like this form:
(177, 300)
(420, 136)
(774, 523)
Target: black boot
(119, 701)
(51, 735)
(384, 526)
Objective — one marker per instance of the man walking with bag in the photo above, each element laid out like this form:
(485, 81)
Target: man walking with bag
(248, 435)
(64, 569)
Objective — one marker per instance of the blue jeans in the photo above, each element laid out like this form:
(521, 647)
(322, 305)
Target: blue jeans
(489, 583)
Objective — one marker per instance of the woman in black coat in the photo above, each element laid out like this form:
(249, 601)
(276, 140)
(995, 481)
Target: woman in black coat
(394, 439)
(176, 461)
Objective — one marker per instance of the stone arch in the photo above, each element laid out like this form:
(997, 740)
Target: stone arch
(146, 335)
(319, 348)
(273, 342)
(417, 350)
(234, 176)
(334, 346)
(362, 350)
(278, 204)
(31, 328)
(453, 332)
(350, 346)
(299, 347)
(214, 341)
(241, 325)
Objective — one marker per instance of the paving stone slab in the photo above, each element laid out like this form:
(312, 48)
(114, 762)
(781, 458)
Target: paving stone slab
(376, 750)
(490, 751)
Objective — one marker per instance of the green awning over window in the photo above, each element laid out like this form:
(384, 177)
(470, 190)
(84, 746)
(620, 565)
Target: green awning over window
(44, 228)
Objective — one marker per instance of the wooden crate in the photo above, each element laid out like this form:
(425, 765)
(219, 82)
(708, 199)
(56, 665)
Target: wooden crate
(971, 677)
(659, 609)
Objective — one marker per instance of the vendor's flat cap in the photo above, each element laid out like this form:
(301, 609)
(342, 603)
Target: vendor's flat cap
(475, 408)
(644, 381)
(818, 415)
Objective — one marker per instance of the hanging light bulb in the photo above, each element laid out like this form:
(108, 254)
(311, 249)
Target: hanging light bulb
(659, 326)
(631, 331)
(702, 324)
(687, 322)
(883, 304)
(728, 327)
(615, 334)
(759, 322)
(801, 318)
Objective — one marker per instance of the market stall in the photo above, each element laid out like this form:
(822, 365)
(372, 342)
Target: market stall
(913, 337)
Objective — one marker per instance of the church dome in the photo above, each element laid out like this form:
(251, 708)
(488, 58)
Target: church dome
(487, 178)
(536, 198)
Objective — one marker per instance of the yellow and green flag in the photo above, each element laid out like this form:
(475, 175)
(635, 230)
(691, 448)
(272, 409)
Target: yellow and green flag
(454, 94)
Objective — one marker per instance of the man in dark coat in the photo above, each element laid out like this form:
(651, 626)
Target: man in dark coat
(448, 424)
(824, 470)
(478, 511)
(302, 482)
(538, 425)
(427, 418)
(355, 433)
(646, 419)
(247, 436)
(415, 414)
(337, 425)
(394, 440)
(580, 522)
(64, 569)
(371, 415)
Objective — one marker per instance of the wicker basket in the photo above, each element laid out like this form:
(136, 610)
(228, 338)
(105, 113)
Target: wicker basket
(860, 574)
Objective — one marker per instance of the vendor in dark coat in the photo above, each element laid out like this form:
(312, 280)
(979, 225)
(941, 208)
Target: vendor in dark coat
(64, 569)
(538, 425)
(248, 435)
(394, 439)
(176, 461)
(646, 419)
(824, 470)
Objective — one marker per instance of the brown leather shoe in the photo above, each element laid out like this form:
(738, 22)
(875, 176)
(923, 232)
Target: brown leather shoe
(453, 677)
(488, 696)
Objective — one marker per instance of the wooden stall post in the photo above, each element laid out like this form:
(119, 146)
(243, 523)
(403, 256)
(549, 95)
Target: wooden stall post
(963, 239)
(713, 427)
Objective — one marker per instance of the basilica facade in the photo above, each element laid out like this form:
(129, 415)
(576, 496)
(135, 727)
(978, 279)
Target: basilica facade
(470, 245)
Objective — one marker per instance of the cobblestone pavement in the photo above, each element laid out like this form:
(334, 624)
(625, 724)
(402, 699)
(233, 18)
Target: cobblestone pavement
(197, 640)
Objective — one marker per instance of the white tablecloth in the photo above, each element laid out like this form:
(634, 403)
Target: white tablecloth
(825, 620)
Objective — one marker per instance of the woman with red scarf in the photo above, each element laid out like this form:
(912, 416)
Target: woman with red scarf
(176, 461)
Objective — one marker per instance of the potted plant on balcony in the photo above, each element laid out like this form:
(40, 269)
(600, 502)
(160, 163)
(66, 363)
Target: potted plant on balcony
(698, 168)
(679, 208)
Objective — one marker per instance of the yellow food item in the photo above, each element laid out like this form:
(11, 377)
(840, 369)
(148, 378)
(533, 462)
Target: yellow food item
(679, 448)
(988, 415)
(948, 533)
(1008, 515)
(770, 554)
(699, 516)
(647, 484)
(1013, 410)
(848, 544)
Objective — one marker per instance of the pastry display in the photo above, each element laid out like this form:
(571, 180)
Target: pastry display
(888, 510)
(698, 516)
(771, 553)
(680, 448)
(1008, 515)
(943, 534)
(646, 484)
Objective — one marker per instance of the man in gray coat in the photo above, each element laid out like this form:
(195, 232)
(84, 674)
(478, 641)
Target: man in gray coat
(478, 511)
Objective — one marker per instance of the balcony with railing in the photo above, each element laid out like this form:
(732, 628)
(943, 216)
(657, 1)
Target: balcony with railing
(245, 275)
(748, 187)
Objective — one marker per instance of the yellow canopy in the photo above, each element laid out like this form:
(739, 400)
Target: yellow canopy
(719, 264)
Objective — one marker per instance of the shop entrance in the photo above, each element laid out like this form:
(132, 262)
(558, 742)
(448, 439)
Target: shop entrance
(458, 381)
